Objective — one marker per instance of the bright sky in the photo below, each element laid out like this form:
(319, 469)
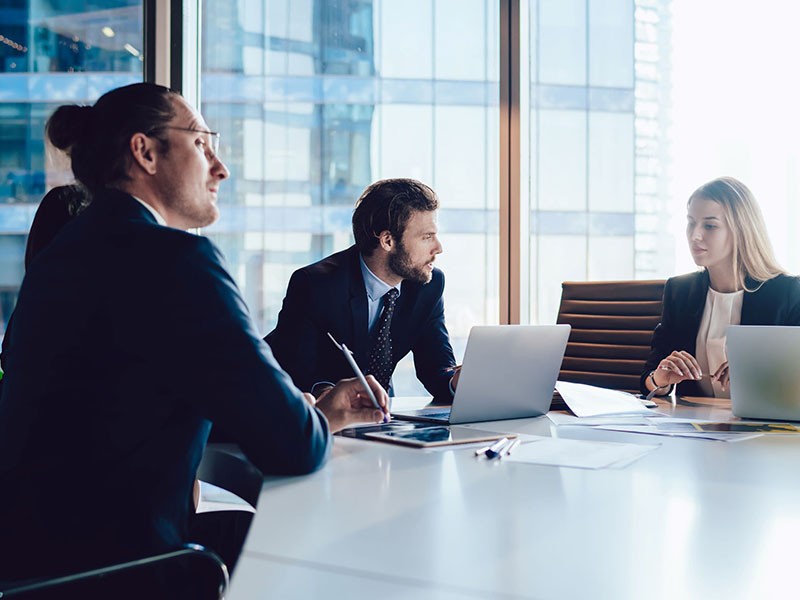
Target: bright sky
(736, 110)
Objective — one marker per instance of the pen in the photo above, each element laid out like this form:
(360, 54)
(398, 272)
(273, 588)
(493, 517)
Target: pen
(349, 356)
(504, 450)
(494, 450)
(514, 443)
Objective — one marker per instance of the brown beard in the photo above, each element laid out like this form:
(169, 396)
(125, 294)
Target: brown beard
(400, 263)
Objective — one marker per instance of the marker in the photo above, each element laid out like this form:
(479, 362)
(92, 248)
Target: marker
(494, 450)
(349, 356)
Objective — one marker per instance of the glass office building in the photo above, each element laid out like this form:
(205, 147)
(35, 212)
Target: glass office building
(316, 99)
(51, 53)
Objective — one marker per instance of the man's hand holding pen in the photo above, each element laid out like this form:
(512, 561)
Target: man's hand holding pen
(348, 402)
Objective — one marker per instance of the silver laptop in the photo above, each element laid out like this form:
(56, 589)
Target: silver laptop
(765, 371)
(509, 372)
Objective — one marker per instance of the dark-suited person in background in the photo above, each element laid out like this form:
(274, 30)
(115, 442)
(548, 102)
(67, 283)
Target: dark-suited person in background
(129, 339)
(739, 282)
(382, 298)
(56, 209)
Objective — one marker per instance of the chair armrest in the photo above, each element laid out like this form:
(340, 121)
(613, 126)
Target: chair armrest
(192, 552)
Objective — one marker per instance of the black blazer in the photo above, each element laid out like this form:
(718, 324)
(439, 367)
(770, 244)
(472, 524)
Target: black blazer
(129, 338)
(329, 296)
(776, 302)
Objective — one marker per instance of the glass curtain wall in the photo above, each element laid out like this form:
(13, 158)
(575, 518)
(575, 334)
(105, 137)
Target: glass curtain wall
(594, 151)
(51, 53)
(315, 99)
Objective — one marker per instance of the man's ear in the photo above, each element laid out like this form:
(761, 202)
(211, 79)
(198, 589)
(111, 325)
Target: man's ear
(386, 241)
(144, 152)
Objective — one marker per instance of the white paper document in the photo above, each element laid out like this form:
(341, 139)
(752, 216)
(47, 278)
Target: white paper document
(214, 499)
(591, 401)
(654, 429)
(582, 454)
(560, 418)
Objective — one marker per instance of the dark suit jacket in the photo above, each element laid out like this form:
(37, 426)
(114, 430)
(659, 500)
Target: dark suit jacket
(129, 338)
(329, 296)
(776, 302)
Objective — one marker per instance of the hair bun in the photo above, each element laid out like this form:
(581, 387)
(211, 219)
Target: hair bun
(67, 125)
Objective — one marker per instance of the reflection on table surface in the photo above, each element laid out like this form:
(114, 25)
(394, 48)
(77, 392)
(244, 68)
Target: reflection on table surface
(694, 519)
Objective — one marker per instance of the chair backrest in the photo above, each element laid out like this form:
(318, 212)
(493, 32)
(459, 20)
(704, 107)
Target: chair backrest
(612, 326)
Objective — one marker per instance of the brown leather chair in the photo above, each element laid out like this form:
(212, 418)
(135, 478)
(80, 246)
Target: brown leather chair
(612, 325)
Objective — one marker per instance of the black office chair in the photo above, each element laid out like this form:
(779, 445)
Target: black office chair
(224, 466)
(191, 572)
(612, 326)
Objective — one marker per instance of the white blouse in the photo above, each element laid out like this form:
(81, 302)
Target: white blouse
(720, 311)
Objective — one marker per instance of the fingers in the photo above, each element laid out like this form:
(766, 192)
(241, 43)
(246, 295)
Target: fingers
(683, 365)
(456, 374)
(722, 374)
(377, 389)
(364, 415)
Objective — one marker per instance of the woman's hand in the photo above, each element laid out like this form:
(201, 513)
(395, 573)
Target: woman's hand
(723, 375)
(678, 366)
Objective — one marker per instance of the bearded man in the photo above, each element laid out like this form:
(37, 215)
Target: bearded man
(382, 298)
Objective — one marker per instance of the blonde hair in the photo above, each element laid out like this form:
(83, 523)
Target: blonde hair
(752, 251)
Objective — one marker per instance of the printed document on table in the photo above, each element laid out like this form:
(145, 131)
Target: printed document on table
(591, 401)
(660, 430)
(560, 418)
(581, 454)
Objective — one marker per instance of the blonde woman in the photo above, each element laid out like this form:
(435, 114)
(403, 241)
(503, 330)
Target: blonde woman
(739, 283)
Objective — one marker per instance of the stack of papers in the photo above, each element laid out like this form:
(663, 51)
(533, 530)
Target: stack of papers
(618, 411)
(734, 431)
(581, 454)
(590, 401)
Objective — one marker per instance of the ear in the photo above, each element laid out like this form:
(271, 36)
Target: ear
(386, 241)
(144, 150)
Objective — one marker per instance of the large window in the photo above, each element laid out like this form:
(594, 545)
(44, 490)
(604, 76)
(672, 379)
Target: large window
(579, 147)
(315, 100)
(626, 107)
(51, 54)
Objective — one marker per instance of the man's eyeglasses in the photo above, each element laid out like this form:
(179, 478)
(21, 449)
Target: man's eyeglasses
(211, 138)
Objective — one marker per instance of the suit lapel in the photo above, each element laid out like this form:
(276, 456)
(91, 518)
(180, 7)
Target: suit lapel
(696, 302)
(359, 312)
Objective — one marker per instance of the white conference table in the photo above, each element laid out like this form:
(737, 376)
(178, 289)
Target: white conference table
(693, 519)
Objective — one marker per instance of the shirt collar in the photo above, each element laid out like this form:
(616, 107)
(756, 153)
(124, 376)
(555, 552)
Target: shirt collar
(376, 287)
(156, 215)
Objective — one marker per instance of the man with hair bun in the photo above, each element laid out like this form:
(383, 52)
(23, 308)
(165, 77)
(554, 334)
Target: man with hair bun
(130, 338)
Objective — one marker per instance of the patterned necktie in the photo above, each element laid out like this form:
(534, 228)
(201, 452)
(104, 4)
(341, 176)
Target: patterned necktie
(380, 357)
